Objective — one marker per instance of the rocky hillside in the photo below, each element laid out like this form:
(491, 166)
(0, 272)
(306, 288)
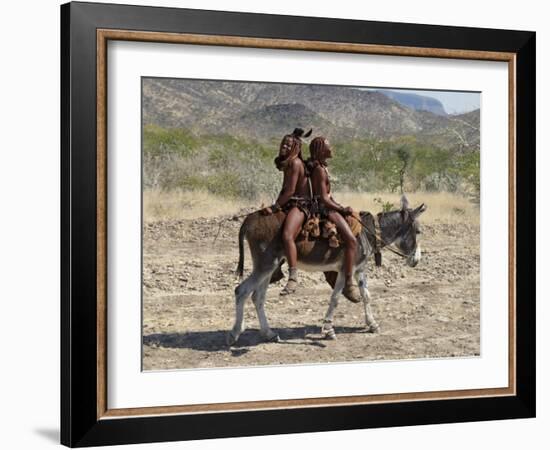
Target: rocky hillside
(264, 111)
(417, 102)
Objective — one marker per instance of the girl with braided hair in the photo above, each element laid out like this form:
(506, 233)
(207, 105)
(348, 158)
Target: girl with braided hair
(320, 151)
(294, 199)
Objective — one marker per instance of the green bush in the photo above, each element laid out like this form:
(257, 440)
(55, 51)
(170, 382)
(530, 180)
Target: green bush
(233, 167)
(159, 141)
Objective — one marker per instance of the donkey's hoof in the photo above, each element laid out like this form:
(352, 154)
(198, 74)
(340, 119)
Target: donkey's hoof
(230, 338)
(329, 334)
(271, 336)
(373, 328)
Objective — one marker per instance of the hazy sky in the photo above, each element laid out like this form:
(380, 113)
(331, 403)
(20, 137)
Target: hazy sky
(453, 102)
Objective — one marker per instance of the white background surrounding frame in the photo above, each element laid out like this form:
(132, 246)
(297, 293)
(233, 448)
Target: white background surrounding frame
(129, 387)
(29, 231)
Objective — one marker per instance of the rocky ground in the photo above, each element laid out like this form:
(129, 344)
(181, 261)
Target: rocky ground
(188, 305)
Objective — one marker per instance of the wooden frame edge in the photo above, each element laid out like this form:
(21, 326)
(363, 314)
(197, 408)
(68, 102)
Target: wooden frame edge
(103, 35)
(304, 403)
(101, 225)
(289, 44)
(512, 199)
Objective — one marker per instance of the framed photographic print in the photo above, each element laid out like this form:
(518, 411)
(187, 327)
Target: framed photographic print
(276, 224)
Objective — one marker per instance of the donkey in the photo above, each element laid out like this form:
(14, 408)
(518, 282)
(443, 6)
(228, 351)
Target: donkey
(263, 233)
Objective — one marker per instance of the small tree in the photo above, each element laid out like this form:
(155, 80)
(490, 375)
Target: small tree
(405, 154)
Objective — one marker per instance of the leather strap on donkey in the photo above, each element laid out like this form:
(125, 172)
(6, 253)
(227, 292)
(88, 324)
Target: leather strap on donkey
(374, 236)
(379, 242)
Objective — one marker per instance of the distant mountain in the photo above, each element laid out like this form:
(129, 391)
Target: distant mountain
(277, 120)
(264, 111)
(417, 102)
(461, 131)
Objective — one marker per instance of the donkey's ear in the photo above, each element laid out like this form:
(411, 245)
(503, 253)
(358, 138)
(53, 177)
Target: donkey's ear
(419, 210)
(404, 202)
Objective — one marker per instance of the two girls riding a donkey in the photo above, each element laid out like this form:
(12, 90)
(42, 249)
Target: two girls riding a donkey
(304, 200)
(306, 192)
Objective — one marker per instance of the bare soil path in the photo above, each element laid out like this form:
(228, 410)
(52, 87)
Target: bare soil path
(188, 305)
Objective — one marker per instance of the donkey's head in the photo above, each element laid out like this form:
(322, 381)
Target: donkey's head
(401, 228)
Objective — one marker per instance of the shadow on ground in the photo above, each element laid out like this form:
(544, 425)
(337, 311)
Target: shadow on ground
(214, 341)
(50, 434)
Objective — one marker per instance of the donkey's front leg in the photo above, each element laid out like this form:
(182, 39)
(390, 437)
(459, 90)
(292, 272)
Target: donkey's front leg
(328, 330)
(370, 324)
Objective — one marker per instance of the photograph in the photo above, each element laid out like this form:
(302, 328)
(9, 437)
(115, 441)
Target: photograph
(287, 224)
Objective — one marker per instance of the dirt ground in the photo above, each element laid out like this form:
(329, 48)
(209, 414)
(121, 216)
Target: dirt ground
(188, 305)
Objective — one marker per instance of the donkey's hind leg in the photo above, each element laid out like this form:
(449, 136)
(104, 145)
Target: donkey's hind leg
(242, 292)
(258, 298)
(370, 324)
(328, 330)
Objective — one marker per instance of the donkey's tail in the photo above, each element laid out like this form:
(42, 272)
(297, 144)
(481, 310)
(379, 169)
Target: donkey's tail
(240, 267)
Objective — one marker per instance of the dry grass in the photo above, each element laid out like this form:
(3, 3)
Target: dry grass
(177, 204)
(443, 207)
